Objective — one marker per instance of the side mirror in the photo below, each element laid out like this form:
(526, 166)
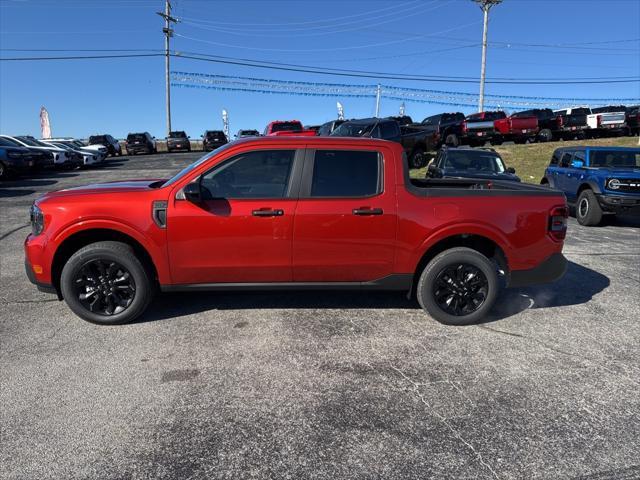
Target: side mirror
(188, 136)
(577, 164)
(192, 192)
(434, 172)
(511, 170)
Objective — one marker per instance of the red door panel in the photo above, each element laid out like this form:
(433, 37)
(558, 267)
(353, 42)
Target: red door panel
(222, 241)
(344, 239)
(331, 244)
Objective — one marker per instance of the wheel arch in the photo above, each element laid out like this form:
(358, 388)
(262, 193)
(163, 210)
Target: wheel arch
(589, 184)
(488, 247)
(75, 241)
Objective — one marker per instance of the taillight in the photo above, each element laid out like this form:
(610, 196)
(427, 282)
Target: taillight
(560, 120)
(599, 120)
(464, 127)
(558, 222)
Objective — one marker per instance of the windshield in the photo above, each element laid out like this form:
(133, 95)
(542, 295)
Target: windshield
(98, 139)
(615, 158)
(286, 127)
(248, 133)
(32, 142)
(197, 163)
(350, 129)
(482, 162)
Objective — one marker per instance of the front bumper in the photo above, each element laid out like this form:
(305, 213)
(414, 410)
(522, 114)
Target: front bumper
(43, 287)
(619, 203)
(552, 269)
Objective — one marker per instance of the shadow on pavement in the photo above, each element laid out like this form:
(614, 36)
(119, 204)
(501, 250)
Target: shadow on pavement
(27, 182)
(14, 193)
(578, 286)
(510, 302)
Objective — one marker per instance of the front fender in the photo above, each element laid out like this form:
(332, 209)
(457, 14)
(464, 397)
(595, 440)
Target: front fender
(155, 245)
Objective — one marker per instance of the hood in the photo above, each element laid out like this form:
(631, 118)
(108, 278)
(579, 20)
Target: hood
(623, 172)
(127, 186)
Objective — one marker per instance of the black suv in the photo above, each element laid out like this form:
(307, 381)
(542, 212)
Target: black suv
(213, 139)
(247, 133)
(113, 146)
(466, 162)
(328, 128)
(140, 143)
(383, 128)
(178, 141)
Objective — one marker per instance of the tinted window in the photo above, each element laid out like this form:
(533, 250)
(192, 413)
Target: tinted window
(431, 120)
(136, 137)
(615, 158)
(258, 174)
(177, 135)
(565, 161)
(555, 158)
(476, 161)
(342, 173)
(286, 127)
(389, 131)
(5, 142)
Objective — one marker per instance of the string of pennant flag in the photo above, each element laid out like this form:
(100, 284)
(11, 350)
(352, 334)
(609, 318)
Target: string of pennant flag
(418, 95)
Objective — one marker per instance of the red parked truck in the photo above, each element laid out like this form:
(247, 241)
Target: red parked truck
(518, 128)
(288, 127)
(296, 213)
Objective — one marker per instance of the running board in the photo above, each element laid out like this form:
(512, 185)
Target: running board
(397, 282)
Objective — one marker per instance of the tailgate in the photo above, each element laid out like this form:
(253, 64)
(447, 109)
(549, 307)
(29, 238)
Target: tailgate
(524, 124)
(614, 118)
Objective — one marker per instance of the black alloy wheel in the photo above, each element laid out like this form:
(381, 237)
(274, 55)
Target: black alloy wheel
(104, 287)
(460, 289)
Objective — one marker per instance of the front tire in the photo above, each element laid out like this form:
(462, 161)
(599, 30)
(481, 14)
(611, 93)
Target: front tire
(105, 283)
(588, 211)
(458, 287)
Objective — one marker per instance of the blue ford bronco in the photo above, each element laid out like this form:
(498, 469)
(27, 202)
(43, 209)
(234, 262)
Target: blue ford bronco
(596, 180)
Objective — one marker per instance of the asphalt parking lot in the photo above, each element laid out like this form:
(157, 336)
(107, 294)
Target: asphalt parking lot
(321, 385)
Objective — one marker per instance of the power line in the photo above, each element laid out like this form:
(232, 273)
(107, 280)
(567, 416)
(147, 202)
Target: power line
(339, 72)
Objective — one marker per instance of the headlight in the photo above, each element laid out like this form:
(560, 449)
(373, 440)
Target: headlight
(614, 184)
(37, 220)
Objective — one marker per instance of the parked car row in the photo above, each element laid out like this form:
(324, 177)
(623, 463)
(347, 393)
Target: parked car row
(20, 154)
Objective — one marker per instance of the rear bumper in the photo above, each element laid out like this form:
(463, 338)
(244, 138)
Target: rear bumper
(552, 269)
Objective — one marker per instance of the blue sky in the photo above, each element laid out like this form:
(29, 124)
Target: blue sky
(121, 95)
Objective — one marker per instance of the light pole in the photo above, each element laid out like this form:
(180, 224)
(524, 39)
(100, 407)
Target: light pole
(485, 5)
(168, 33)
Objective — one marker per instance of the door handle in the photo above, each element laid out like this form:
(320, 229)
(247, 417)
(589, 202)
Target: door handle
(367, 211)
(267, 212)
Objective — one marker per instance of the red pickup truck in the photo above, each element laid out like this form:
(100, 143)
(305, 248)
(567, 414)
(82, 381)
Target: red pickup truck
(518, 128)
(296, 213)
(288, 127)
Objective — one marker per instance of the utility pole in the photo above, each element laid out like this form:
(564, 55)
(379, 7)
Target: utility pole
(168, 33)
(485, 6)
(378, 100)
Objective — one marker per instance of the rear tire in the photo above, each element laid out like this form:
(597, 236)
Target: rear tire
(458, 287)
(452, 140)
(545, 135)
(109, 276)
(588, 211)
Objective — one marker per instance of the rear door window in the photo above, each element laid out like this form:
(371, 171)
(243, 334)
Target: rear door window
(346, 173)
(565, 161)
